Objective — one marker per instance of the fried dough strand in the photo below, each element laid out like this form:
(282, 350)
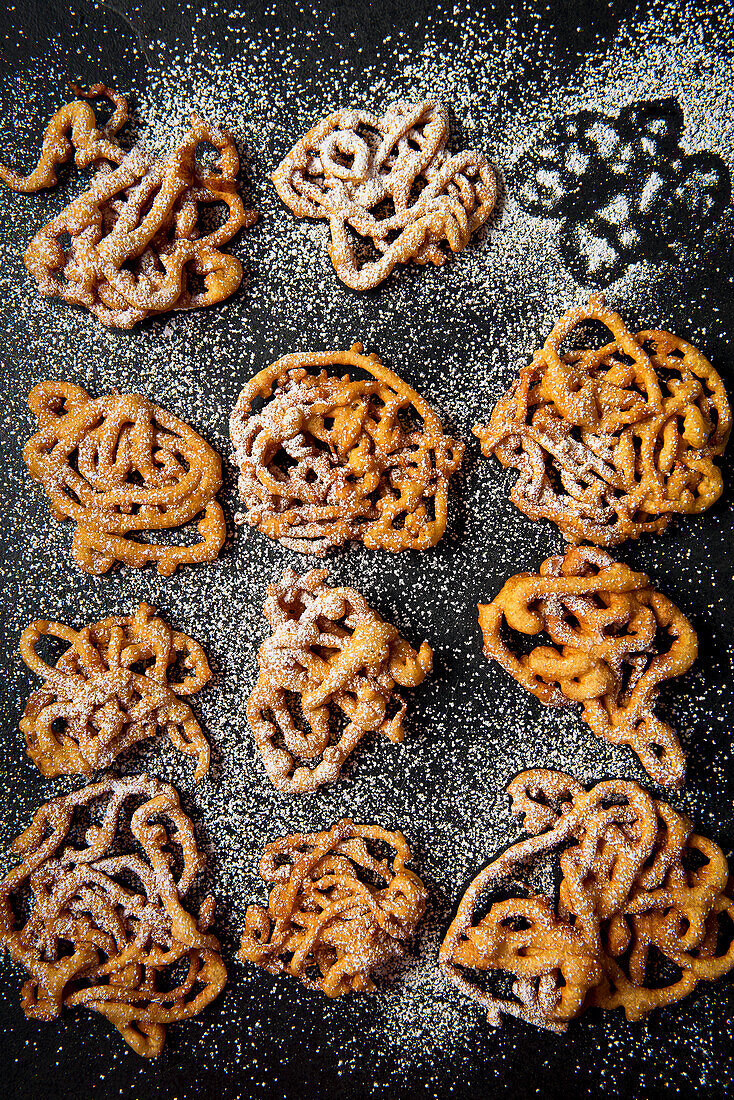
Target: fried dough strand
(118, 683)
(336, 911)
(390, 180)
(119, 465)
(611, 443)
(131, 245)
(73, 131)
(107, 927)
(327, 460)
(329, 651)
(638, 884)
(607, 625)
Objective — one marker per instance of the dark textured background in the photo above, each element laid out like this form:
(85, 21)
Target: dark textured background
(300, 1038)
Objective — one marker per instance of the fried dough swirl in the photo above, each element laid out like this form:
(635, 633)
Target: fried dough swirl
(615, 640)
(118, 683)
(329, 651)
(131, 245)
(638, 885)
(612, 442)
(390, 180)
(119, 465)
(107, 927)
(327, 460)
(326, 922)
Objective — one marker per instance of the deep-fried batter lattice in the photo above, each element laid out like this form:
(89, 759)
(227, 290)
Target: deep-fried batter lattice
(390, 180)
(327, 460)
(118, 465)
(105, 870)
(615, 640)
(638, 886)
(115, 685)
(611, 443)
(329, 651)
(336, 912)
(134, 243)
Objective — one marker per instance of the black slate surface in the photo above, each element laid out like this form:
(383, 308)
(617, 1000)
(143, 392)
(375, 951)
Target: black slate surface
(294, 1040)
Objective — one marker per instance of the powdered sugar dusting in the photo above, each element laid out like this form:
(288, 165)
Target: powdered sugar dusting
(458, 335)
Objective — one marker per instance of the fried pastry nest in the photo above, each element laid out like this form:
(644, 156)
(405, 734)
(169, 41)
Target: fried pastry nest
(615, 640)
(101, 885)
(612, 442)
(132, 245)
(331, 661)
(119, 465)
(644, 911)
(326, 460)
(389, 180)
(118, 683)
(336, 911)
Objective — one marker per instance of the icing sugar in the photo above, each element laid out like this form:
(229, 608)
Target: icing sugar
(459, 335)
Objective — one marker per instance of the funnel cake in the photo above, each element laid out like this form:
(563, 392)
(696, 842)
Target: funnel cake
(638, 887)
(118, 683)
(388, 180)
(331, 660)
(120, 465)
(612, 442)
(615, 640)
(336, 911)
(135, 247)
(107, 869)
(326, 459)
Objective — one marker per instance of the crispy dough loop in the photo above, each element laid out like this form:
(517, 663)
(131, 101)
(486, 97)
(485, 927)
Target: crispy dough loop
(135, 246)
(329, 651)
(327, 460)
(336, 911)
(119, 465)
(104, 928)
(111, 689)
(629, 892)
(607, 625)
(611, 443)
(73, 131)
(391, 181)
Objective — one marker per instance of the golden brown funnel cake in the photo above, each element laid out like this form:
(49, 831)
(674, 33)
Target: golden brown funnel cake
(336, 911)
(615, 640)
(329, 674)
(108, 868)
(387, 179)
(131, 246)
(638, 886)
(117, 683)
(120, 465)
(327, 459)
(612, 442)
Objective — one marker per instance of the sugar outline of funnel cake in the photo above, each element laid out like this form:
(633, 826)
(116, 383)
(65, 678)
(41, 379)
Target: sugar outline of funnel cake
(622, 187)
